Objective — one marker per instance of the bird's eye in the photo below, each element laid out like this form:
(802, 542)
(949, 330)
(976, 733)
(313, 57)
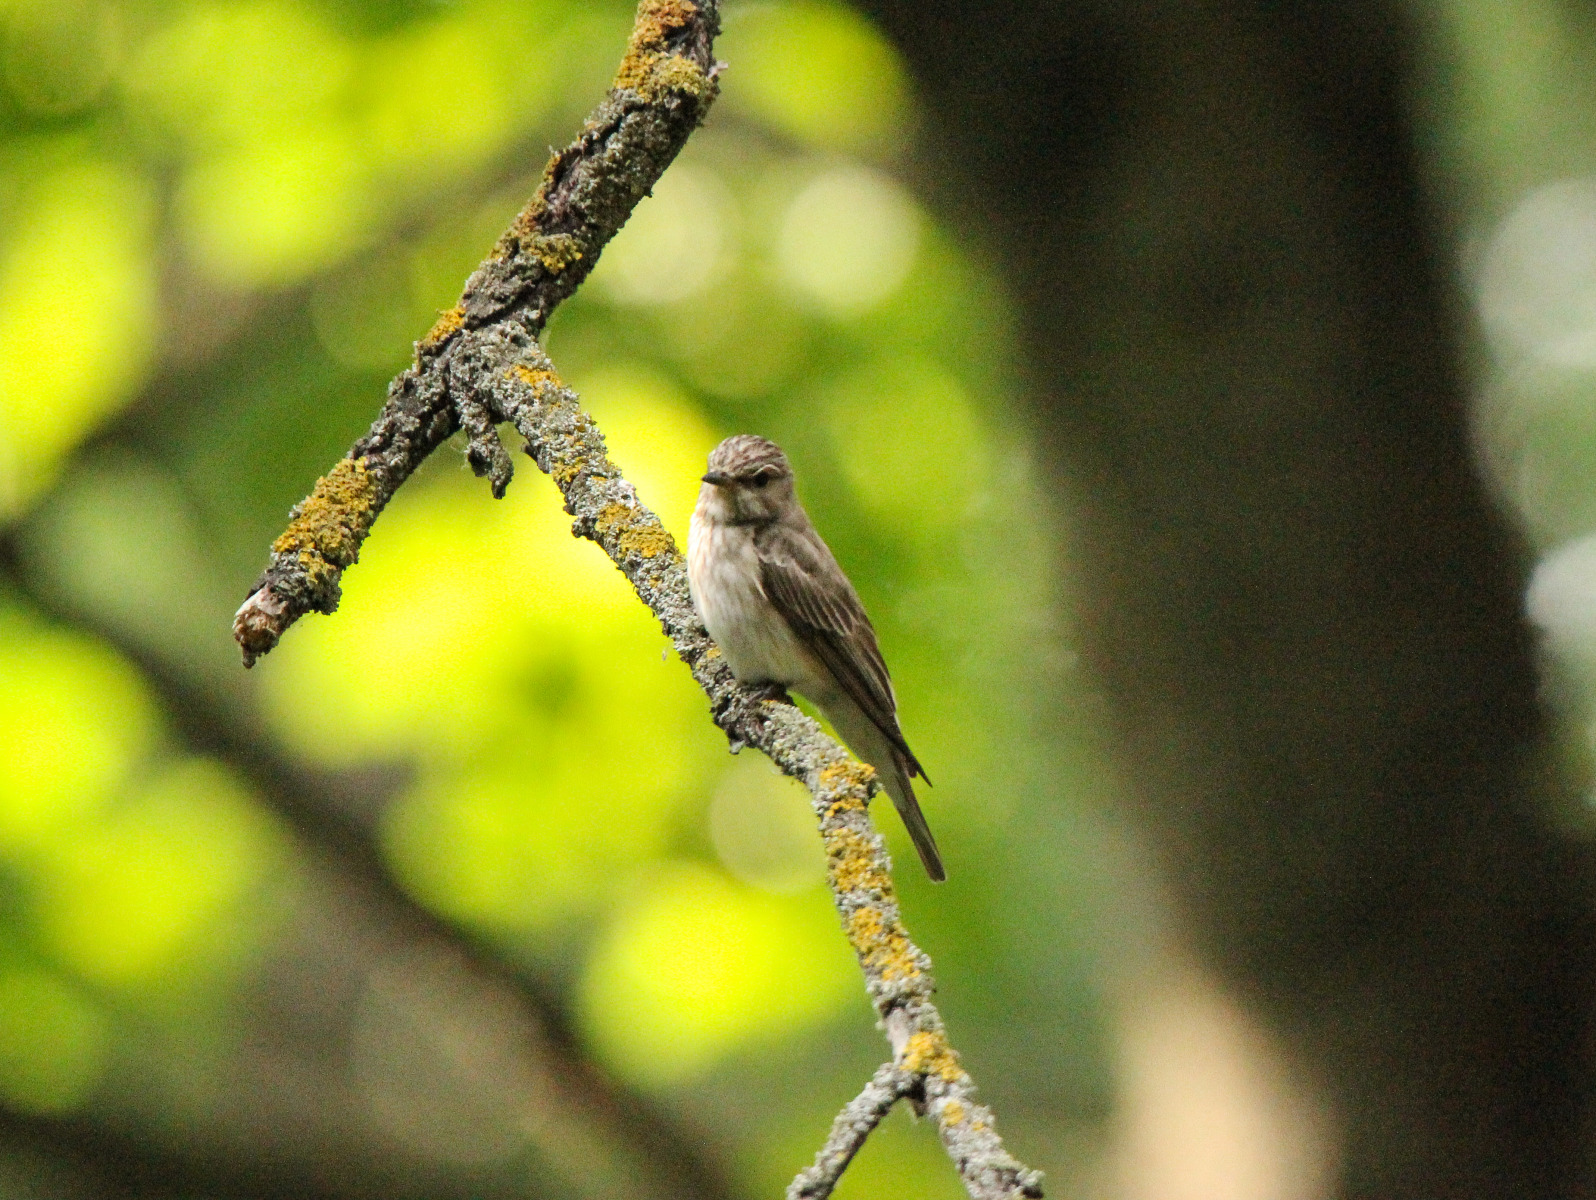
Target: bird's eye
(760, 480)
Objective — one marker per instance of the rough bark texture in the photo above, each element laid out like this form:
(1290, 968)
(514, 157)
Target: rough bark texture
(853, 1125)
(664, 86)
(1295, 592)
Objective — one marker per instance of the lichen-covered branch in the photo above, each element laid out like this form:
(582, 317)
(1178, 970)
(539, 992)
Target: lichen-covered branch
(662, 90)
(854, 1123)
(482, 365)
(522, 385)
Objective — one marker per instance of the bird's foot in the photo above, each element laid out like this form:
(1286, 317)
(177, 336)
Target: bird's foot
(770, 693)
(746, 720)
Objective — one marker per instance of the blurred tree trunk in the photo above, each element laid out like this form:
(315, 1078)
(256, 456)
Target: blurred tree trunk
(1244, 359)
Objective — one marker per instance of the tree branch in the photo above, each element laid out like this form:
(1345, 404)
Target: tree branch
(854, 1123)
(480, 365)
(662, 90)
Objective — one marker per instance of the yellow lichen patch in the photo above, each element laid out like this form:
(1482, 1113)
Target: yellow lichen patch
(565, 471)
(952, 1112)
(637, 70)
(522, 229)
(657, 20)
(648, 541)
(612, 517)
(652, 75)
(845, 774)
(930, 1054)
(840, 808)
(332, 521)
(865, 929)
(677, 74)
(882, 948)
(852, 863)
(536, 379)
(446, 326)
(648, 69)
(525, 226)
(556, 251)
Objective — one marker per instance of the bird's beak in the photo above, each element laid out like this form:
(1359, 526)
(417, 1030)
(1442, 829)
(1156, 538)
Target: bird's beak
(718, 478)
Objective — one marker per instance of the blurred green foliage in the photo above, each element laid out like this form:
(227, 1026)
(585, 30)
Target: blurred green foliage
(222, 223)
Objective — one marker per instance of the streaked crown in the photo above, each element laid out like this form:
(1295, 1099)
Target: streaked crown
(744, 455)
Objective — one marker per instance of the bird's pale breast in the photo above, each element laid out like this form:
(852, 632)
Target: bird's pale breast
(723, 572)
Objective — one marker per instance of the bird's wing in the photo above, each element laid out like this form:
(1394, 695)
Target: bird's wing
(809, 590)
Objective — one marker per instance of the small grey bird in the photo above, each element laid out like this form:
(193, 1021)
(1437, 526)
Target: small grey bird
(778, 605)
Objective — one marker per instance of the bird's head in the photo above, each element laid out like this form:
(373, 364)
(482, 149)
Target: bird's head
(749, 481)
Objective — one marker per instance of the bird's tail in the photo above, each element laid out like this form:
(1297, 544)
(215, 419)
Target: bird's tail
(902, 793)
